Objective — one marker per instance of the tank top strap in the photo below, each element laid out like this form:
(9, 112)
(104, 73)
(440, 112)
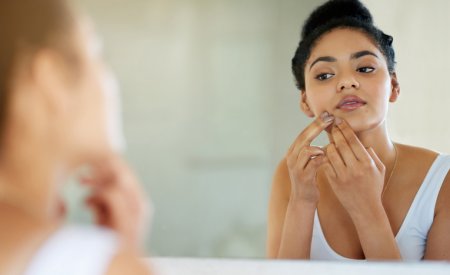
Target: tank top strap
(423, 206)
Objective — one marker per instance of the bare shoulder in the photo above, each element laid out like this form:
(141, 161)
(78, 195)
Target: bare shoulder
(20, 238)
(126, 262)
(422, 159)
(418, 155)
(414, 162)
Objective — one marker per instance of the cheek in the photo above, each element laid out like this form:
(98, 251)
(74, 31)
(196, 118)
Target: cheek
(380, 91)
(92, 104)
(113, 113)
(93, 98)
(319, 101)
(320, 96)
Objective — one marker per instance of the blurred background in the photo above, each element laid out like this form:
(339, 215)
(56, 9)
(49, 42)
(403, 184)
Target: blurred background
(210, 106)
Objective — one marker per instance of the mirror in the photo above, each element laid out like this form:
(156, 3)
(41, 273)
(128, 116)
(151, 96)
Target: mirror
(210, 106)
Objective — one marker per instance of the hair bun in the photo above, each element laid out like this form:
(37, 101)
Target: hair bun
(336, 9)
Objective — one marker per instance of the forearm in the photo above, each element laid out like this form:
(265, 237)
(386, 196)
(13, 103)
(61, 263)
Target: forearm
(375, 234)
(297, 231)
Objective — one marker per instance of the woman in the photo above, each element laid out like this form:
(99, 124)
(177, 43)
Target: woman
(362, 196)
(53, 95)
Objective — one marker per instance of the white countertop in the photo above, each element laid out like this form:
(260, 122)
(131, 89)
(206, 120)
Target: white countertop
(205, 266)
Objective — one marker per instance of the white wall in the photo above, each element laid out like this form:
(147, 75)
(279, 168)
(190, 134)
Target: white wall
(421, 31)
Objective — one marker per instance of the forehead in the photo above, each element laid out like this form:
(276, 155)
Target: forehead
(341, 43)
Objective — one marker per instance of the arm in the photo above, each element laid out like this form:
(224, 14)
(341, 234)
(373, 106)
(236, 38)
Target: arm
(375, 234)
(297, 231)
(438, 242)
(290, 221)
(295, 195)
(279, 199)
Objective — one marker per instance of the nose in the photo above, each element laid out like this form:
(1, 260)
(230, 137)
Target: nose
(347, 81)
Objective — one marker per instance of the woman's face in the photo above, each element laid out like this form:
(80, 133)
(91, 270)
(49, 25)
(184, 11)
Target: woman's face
(96, 119)
(347, 76)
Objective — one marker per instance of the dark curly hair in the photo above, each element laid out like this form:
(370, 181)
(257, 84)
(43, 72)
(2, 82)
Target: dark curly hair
(338, 14)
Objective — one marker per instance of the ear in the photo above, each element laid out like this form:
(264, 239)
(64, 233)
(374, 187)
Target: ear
(304, 104)
(36, 102)
(395, 88)
(49, 77)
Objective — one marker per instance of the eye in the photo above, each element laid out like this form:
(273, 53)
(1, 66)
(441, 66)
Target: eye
(365, 70)
(324, 76)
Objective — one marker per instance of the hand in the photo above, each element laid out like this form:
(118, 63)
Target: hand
(118, 201)
(303, 160)
(355, 174)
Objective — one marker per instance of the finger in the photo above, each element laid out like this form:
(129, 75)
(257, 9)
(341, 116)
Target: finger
(307, 154)
(89, 181)
(311, 132)
(125, 177)
(113, 210)
(103, 216)
(126, 220)
(328, 169)
(311, 170)
(97, 177)
(329, 135)
(352, 140)
(106, 170)
(314, 164)
(342, 146)
(335, 160)
(115, 172)
(132, 202)
(379, 164)
(100, 213)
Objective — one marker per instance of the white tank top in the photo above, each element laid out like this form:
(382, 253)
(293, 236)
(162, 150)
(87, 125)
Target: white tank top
(412, 235)
(75, 250)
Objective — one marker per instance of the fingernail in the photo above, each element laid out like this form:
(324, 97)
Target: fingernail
(326, 117)
(337, 121)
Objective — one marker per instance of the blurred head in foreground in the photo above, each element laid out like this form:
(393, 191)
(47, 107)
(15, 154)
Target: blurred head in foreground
(58, 111)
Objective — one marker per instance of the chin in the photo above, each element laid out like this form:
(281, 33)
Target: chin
(361, 124)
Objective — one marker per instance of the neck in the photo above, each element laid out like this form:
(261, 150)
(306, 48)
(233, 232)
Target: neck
(378, 139)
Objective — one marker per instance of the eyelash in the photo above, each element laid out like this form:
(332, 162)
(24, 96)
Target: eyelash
(325, 76)
(322, 77)
(368, 67)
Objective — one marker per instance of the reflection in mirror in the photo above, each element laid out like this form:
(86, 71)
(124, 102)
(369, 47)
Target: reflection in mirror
(362, 195)
(210, 108)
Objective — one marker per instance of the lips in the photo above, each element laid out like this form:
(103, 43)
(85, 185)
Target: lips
(350, 103)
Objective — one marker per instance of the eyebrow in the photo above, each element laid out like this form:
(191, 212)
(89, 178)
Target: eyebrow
(361, 54)
(353, 56)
